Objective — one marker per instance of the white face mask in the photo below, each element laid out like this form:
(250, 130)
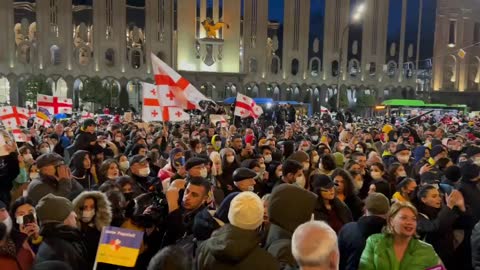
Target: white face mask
(230, 159)
(8, 223)
(477, 161)
(268, 158)
(357, 184)
(34, 175)
(251, 188)
(315, 159)
(87, 215)
(315, 138)
(204, 172)
(149, 141)
(218, 144)
(402, 174)
(103, 145)
(376, 175)
(44, 150)
(118, 139)
(124, 165)
(300, 181)
(403, 159)
(269, 136)
(144, 172)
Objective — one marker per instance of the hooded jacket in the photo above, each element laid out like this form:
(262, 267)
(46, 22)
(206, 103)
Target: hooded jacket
(233, 248)
(91, 231)
(82, 175)
(284, 219)
(62, 243)
(353, 237)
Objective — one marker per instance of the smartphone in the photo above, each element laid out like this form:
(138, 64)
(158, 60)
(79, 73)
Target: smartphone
(27, 219)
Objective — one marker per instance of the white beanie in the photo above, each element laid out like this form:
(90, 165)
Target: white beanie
(246, 211)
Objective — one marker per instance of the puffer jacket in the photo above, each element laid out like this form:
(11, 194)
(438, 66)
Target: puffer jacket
(379, 254)
(284, 219)
(91, 231)
(233, 248)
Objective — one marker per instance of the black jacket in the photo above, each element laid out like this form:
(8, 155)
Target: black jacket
(9, 170)
(355, 205)
(341, 209)
(435, 226)
(179, 224)
(353, 237)
(476, 247)
(62, 243)
(233, 248)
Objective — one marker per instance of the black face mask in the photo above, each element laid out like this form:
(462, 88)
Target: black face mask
(128, 196)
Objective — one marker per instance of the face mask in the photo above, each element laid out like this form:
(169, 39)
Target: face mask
(124, 165)
(34, 175)
(118, 139)
(376, 175)
(314, 138)
(306, 166)
(251, 188)
(204, 173)
(44, 150)
(403, 159)
(359, 149)
(300, 181)
(149, 141)
(28, 157)
(196, 137)
(268, 158)
(218, 144)
(9, 224)
(103, 145)
(402, 174)
(315, 159)
(198, 151)
(230, 159)
(144, 172)
(87, 215)
(305, 148)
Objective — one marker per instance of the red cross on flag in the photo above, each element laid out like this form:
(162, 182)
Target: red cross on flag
(324, 110)
(151, 104)
(55, 105)
(185, 94)
(13, 116)
(246, 106)
(174, 114)
(19, 136)
(86, 115)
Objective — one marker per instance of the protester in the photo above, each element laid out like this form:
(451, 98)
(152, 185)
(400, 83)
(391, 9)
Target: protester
(406, 251)
(314, 246)
(353, 236)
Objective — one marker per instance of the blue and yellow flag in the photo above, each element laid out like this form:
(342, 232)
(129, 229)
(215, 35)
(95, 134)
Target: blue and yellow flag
(119, 246)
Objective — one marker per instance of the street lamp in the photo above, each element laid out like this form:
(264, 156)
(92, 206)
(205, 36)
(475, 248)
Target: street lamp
(360, 10)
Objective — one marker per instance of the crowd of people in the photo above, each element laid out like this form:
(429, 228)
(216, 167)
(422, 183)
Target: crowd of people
(310, 193)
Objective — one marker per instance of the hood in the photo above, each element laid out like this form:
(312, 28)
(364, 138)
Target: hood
(204, 224)
(291, 206)
(76, 163)
(213, 140)
(60, 230)
(419, 153)
(231, 245)
(103, 212)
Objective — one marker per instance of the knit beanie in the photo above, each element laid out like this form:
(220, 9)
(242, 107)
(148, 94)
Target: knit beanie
(246, 211)
(300, 156)
(53, 208)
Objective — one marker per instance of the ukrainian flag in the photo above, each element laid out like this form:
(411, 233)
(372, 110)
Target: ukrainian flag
(119, 246)
(43, 114)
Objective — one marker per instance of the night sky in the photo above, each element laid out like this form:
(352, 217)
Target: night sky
(317, 13)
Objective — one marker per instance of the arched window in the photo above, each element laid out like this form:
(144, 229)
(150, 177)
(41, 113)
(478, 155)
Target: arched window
(55, 55)
(276, 93)
(275, 67)
(315, 66)
(295, 67)
(136, 59)
(61, 88)
(335, 68)
(110, 57)
(252, 65)
(255, 90)
(4, 91)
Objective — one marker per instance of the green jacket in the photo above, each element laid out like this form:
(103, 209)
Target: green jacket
(379, 254)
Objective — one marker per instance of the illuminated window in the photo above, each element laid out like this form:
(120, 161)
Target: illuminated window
(452, 33)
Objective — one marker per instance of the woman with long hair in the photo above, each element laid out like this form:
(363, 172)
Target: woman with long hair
(398, 247)
(345, 191)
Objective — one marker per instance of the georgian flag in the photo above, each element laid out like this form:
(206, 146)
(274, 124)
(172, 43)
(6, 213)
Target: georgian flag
(246, 106)
(181, 91)
(55, 105)
(154, 110)
(13, 117)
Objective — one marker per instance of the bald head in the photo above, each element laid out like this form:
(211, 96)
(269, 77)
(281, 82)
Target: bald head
(314, 246)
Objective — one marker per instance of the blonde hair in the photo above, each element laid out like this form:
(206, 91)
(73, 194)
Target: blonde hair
(394, 209)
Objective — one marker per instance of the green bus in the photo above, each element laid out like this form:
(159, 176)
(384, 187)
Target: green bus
(409, 106)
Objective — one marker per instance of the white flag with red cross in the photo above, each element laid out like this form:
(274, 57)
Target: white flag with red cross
(55, 105)
(154, 109)
(13, 116)
(246, 106)
(86, 115)
(185, 94)
(19, 136)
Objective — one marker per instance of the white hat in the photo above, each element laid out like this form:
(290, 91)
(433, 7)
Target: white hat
(246, 211)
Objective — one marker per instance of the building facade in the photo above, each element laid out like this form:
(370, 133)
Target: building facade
(304, 58)
(456, 65)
